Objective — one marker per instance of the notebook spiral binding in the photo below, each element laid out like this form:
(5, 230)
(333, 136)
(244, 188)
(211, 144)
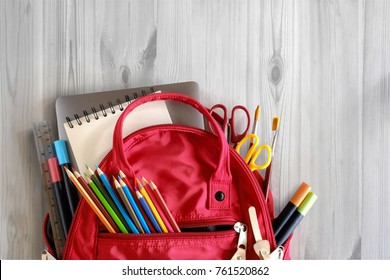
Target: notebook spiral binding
(104, 109)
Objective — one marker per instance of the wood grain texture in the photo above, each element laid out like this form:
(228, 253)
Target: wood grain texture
(321, 66)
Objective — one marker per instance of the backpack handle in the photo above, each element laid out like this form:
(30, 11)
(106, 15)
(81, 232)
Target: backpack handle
(221, 177)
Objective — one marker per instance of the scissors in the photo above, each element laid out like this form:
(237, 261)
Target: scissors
(227, 124)
(254, 151)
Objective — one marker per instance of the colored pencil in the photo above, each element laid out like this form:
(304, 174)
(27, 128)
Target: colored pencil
(129, 224)
(132, 191)
(89, 200)
(164, 206)
(128, 206)
(107, 206)
(156, 203)
(152, 207)
(151, 217)
(96, 200)
(133, 203)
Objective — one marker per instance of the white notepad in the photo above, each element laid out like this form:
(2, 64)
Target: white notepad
(91, 141)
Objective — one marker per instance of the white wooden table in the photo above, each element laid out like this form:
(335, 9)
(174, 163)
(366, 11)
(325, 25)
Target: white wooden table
(323, 67)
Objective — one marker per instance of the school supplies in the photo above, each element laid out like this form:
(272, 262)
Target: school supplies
(147, 210)
(128, 222)
(60, 195)
(133, 204)
(254, 152)
(43, 142)
(89, 200)
(152, 207)
(63, 160)
(255, 122)
(91, 140)
(164, 207)
(128, 206)
(228, 123)
(275, 130)
(290, 207)
(98, 202)
(295, 218)
(205, 184)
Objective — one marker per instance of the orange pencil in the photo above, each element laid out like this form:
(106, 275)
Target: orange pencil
(95, 199)
(89, 200)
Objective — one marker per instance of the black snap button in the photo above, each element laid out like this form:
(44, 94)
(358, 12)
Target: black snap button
(219, 196)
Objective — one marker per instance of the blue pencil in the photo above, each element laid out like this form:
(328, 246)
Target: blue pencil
(148, 212)
(109, 188)
(134, 205)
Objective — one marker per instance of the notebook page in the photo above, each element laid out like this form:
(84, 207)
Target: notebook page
(91, 141)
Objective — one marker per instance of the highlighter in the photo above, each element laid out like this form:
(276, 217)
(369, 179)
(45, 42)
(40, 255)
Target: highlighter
(290, 208)
(295, 219)
(63, 160)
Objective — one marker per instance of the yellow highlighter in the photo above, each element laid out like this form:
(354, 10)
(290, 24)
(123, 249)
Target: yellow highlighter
(152, 207)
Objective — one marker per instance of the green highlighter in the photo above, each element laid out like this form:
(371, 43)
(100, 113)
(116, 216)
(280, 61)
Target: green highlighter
(295, 218)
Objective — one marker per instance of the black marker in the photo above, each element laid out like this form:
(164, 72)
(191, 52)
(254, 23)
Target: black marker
(63, 160)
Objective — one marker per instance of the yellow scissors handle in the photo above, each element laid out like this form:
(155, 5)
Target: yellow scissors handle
(254, 141)
(252, 164)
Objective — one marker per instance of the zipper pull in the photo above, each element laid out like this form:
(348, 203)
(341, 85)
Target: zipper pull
(242, 229)
(261, 247)
(277, 254)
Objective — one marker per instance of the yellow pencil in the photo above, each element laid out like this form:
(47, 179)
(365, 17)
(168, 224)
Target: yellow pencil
(89, 200)
(152, 207)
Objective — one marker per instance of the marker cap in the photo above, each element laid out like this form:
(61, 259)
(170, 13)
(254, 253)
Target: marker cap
(61, 151)
(54, 170)
(300, 194)
(307, 203)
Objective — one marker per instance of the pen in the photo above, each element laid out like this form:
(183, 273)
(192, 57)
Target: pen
(291, 206)
(63, 160)
(295, 218)
(60, 195)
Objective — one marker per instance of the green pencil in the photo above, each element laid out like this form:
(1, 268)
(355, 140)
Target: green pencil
(106, 204)
(105, 194)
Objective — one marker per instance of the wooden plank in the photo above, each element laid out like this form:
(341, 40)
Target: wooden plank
(21, 213)
(376, 132)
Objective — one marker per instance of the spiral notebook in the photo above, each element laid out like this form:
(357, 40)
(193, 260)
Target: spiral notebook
(87, 121)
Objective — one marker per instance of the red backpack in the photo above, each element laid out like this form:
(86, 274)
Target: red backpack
(205, 183)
